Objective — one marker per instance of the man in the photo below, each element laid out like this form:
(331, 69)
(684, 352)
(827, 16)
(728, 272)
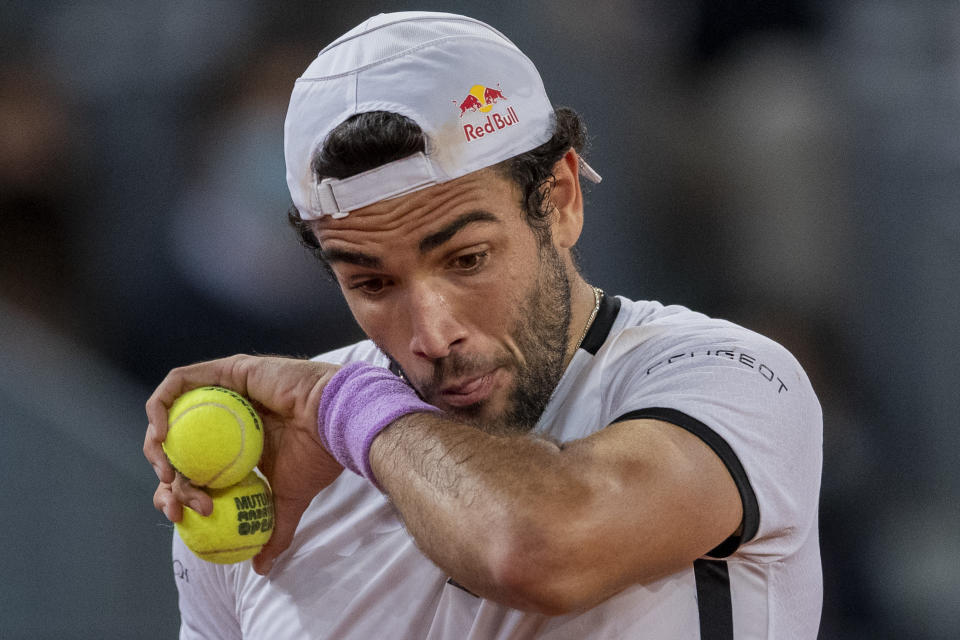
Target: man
(528, 456)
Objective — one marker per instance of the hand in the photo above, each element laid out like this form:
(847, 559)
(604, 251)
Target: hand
(286, 393)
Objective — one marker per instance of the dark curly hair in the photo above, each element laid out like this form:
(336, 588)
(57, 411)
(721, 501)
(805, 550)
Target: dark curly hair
(369, 140)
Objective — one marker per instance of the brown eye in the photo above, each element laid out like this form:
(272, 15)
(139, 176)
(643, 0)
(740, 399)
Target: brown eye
(470, 261)
(369, 287)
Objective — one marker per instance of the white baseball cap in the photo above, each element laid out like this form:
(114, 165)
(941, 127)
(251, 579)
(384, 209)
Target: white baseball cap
(475, 95)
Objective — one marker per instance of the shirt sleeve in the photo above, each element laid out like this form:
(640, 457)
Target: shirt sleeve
(364, 351)
(748, 399)
(207, 596)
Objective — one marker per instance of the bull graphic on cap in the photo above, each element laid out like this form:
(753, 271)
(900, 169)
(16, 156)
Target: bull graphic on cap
(480, 98)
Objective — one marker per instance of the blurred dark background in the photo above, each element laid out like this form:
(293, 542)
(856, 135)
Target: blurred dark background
(792, 166)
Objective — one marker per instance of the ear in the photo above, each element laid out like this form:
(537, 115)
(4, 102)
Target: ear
(567, 200)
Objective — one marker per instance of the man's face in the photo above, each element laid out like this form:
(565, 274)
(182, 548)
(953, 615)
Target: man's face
(453, 284)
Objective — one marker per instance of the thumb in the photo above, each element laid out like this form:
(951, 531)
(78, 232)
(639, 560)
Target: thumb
(287, 516)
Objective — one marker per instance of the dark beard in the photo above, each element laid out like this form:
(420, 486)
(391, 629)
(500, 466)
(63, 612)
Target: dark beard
(541, 335)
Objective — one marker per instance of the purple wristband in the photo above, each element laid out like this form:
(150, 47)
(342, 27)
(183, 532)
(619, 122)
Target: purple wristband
(359, 402)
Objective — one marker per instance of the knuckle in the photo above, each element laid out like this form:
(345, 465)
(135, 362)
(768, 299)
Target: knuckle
(238, 363)
(174, 374)
(178, 490)
(151, 444)
(161, 495)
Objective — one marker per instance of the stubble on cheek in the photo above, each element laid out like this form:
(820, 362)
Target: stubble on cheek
(531, 358)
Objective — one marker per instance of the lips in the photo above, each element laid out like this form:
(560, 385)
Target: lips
(468, 391)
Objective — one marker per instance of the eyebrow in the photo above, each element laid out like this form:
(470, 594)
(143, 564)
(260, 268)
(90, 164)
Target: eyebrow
(332, 256)
(434, 240)
(427, 244)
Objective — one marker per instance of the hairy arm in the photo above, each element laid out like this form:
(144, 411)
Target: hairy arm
(536, 526)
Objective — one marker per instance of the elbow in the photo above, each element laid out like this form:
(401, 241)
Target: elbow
(534, 591)
(546, 553)
(536, 570)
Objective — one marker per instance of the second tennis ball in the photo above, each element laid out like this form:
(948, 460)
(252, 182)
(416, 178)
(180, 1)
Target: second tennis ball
(238, 527)
(214, 437)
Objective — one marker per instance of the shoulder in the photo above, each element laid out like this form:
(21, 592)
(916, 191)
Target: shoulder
(743, 393)
(653, 325)
(363, 351)
(652, 341)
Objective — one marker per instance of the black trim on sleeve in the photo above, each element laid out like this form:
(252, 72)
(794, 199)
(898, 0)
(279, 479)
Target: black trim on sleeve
(713, 599)
(456, 584)
(751, 509)
(600, 329)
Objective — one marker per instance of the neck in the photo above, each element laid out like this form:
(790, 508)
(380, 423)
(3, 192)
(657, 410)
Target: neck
(582, 304)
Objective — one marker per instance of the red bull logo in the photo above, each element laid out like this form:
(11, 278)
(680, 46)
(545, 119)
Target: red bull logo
(481, 99)
(472, 103)
(491, 95)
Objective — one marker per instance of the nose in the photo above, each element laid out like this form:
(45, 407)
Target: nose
(435, 328)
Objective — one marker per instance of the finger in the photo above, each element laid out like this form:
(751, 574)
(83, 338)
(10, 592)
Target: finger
(287, 517)
(226, 372)
(166, 503)
(195, 498)
(153, 451)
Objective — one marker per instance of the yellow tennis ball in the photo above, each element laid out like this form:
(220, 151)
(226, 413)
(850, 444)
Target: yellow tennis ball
(215, 437)
(238, 527)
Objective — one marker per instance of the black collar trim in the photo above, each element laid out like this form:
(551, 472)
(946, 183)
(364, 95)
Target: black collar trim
(600, 329)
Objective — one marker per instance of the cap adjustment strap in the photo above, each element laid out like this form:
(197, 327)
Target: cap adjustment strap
(339, 196)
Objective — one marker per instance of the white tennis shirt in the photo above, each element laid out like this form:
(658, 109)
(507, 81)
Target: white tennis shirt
(353, 572)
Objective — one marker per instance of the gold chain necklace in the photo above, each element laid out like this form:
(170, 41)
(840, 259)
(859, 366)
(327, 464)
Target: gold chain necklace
(597, 295)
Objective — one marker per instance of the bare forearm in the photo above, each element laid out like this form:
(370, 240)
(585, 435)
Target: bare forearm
(467, 497)
(535, 526)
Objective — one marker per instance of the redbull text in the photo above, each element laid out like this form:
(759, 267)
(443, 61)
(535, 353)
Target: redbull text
(492, 124)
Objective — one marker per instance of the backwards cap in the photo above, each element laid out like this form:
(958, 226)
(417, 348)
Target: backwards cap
(475, 95)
